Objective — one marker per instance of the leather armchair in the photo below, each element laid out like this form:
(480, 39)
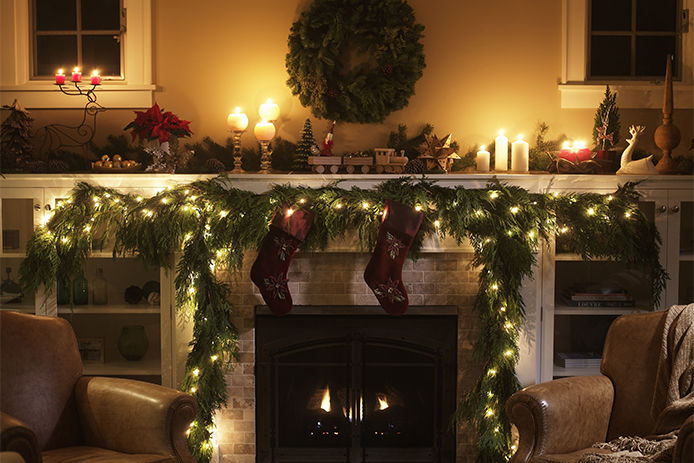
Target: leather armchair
(558, 421)
(51, 413)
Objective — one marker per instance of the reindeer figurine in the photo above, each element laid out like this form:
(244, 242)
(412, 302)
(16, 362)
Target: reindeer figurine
(640, 166)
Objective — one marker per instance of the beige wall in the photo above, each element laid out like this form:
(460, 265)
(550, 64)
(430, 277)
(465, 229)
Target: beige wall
(487, 68)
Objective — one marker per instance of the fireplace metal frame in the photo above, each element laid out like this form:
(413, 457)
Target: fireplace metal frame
(293, 330)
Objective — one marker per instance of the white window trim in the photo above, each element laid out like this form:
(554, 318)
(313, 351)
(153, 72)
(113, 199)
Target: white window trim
(577, 92)
(15, 78)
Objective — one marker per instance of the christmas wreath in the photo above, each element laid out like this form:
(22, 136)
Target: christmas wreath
(330, 33)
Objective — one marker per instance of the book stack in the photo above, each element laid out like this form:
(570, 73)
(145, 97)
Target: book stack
(577, 360)
(614, 298)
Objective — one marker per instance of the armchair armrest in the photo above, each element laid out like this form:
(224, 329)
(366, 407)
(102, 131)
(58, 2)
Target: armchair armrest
(15, 436)
(684, 447)
(116, 413)
(561, 416)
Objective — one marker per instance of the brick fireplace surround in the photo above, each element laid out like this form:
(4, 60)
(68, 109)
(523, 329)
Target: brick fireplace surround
(336, 279)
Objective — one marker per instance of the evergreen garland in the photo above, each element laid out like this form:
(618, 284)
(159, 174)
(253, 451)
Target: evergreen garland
(214, 224)
(324, 36)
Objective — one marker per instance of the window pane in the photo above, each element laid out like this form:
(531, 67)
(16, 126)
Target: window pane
(101, 14)
(56, 16)
(54, 52)
(651, 55)
(101, 52)
(610, 56)
(656, 15)
(611, 15)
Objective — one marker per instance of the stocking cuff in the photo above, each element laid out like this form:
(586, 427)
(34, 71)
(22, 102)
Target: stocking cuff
(402, 217)
(296, 224)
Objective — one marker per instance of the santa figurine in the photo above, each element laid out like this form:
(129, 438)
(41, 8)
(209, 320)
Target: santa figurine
(327, 149)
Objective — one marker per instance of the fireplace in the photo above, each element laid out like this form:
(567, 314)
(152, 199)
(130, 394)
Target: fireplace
(353, 385)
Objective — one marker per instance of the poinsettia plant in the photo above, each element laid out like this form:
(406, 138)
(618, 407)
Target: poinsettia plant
(155, 124)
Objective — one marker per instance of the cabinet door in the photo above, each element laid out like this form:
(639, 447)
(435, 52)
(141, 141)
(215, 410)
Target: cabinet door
(680, 247)
(22, 209)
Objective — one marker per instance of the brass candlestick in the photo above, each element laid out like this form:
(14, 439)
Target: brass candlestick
(265, 157)
(667, 135)
(237, 152)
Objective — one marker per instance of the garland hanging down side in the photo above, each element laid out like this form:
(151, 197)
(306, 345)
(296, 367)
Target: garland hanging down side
(214, 224)
(322, 44)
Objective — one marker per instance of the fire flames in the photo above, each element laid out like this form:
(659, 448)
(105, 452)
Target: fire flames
(382, 402)
(325, 403)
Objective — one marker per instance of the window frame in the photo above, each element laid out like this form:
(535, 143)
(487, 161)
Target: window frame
(78, 33)
(135, 90)
(632, 34)
(578, 91)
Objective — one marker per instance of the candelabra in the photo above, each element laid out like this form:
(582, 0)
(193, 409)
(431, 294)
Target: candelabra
(236, 134)
(265, 157)
(57, 136)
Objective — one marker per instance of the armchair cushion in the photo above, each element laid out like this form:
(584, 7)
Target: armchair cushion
(81, 454)
(116, 413)
(561, 416)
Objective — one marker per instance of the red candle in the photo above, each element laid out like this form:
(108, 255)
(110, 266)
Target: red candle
(60, 77)
(96, 78)
(577, 153)
(76, 75)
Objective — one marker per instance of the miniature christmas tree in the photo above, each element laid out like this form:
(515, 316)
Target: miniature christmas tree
(16, 137)
(606, 127)
(303, 148)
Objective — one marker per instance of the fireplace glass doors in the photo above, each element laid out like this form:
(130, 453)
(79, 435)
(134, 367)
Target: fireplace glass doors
(355, 388)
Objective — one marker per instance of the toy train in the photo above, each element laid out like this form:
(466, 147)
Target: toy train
(385, 160)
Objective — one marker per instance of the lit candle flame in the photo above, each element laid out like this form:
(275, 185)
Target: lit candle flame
(382, 403)
(483, 147)
(237, 110)
(269, 101)
(501, 132)
(60, 71)
(95, 72)
(76, 69)
(566, 144)
(325, 403)
(520, 137)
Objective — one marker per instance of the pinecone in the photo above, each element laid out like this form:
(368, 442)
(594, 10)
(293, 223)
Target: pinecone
(57, 166)
(387, 69)
(33, 166)
(415, 166)
(214, 166)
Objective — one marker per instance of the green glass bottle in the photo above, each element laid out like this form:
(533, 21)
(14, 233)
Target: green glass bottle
(80, 290)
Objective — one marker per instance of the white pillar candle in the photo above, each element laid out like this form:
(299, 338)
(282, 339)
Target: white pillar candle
(501, 152)
(237, 121)
(269, 111)
(482, 160)
(264, 131)
(519, 155)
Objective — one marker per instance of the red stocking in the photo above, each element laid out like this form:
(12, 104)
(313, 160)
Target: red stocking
(383, 274)
(269, 271)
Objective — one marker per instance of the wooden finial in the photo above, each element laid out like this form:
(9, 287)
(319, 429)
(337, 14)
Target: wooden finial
(667, 135)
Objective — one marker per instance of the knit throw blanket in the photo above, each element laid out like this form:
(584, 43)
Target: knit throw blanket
(673, 397)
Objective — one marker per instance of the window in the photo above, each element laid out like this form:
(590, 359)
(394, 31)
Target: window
(84, 33)
(640, 62)
(630, 39)
(126, 59)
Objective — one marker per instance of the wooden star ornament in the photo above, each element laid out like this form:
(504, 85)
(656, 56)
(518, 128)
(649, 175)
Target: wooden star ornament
(438, 152)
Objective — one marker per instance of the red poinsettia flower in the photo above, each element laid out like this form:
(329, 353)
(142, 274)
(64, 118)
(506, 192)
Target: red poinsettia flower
(155, 124)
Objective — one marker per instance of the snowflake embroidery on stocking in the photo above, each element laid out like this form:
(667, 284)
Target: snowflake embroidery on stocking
(390, 291)
(394, 245)
(276, 286)
(285, 246)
